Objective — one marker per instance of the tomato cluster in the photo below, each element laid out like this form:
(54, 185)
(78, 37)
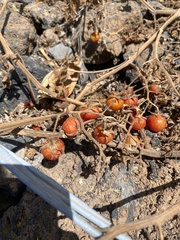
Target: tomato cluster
(102, 136)
(125, 104)
(115, 103)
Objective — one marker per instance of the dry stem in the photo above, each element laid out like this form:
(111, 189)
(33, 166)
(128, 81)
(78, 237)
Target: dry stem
(131, 60)
(20, 123)
(157, 219)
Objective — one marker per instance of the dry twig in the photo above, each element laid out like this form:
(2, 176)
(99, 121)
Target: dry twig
(157, 219)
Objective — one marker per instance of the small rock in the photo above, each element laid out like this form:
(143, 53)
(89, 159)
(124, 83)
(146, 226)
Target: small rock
(155, 142)
(60, 51)
(19, 90)
(48, 39)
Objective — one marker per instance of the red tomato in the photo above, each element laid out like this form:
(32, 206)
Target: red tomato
(102, 137)
(53, 149)
(156, 123)
(155, 89)
(131, 102)
(71, 126)
(138, 123)
(92, 113)
(114, 103)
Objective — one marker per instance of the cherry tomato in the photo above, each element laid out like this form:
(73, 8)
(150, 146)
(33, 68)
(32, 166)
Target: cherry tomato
(156, 123)
(91, 114)
(114, 103)
(131, 102)
(94, 37)
(102, 136)
(52, 149)
(36, 126)
(155, 89)
(71, 126)
(138, 123)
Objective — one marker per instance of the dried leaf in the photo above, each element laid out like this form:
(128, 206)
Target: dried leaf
(5, 79)
(61, 80)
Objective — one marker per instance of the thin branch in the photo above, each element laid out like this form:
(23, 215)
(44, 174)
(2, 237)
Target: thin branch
(3, 7)
(20, 123)
(157, 219)
(129, 61)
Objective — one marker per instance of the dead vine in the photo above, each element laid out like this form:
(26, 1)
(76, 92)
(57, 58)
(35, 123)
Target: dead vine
(72, 103)
(157, 219)
(55, 81)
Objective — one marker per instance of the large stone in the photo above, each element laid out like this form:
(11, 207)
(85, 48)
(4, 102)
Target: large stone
(45, 16)
(19, 33)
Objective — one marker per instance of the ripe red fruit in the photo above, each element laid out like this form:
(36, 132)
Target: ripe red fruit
(155, 89)
(156, 123)
(131, 102)
(91, 113)
(52, 149)
(103, 137)
(138, 123)
(71, 126)
(114, 103)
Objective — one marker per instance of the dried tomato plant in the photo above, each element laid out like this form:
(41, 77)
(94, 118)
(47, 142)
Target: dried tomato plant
(140, 101)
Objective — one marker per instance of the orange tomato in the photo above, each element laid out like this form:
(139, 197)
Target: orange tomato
(138, 123)
(94, 37)
(131, 102)
(155, 89)
(102, 136)
(92, 113)
(114, 103)
(36, 126)
(52, 149)
(71, 126)
(156, 123)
